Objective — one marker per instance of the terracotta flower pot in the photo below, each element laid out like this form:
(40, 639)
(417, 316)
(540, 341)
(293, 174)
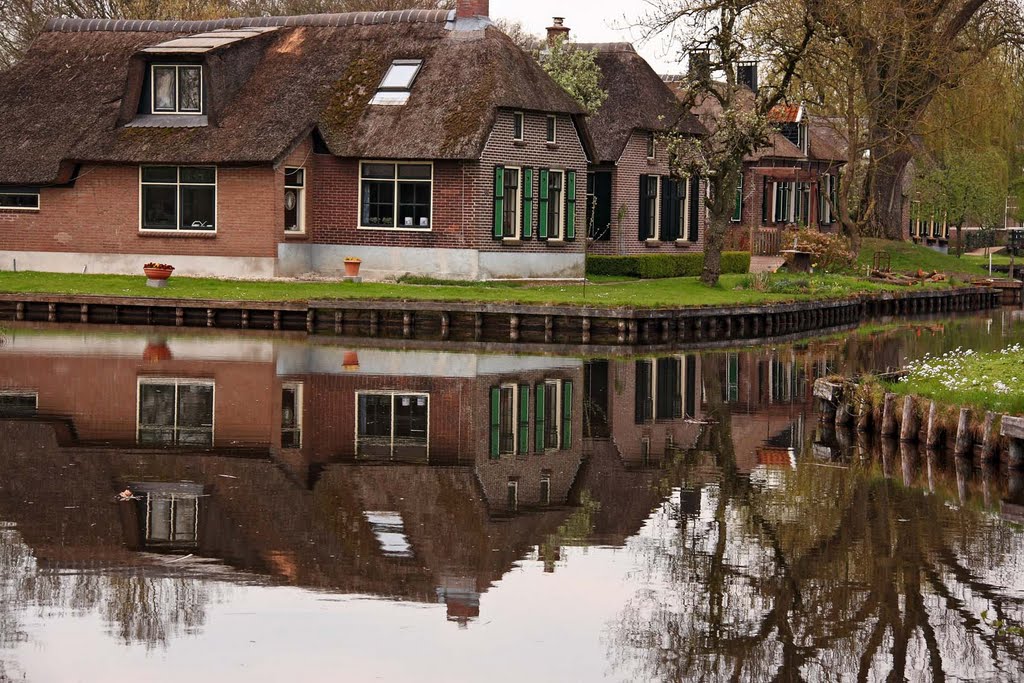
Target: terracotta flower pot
(156, 352)
(158, 273)
(352, 266)
(350, 361)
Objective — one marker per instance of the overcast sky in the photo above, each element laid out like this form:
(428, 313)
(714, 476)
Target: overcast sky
(591, 21)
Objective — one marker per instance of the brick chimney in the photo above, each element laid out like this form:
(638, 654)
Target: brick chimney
(557, 30)
(464, 9)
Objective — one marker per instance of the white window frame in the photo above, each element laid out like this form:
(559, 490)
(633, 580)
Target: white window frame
(300, 229)
(22, 394)
(520, 117)
(297, 387)
(551, 122)
(517, 231)
(177, 201)
(656, 236)
(684, 229)
(513, 487)
(393, 394)
(177, 90)
(396, 95)
(561, 206)
(396, 164)
(515, 418)
(652, 147)
(177, 381)
(557, 384)
(37, 195)
(174, 499)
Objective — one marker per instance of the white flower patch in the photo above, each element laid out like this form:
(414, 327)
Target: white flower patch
(949, 370)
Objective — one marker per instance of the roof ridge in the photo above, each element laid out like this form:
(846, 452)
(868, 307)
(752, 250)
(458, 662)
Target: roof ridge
(611, 46)
(76, 25)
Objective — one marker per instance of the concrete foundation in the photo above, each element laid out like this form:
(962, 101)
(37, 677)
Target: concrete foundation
(247, 267)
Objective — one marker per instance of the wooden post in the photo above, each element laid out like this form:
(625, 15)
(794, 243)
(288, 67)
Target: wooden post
(586, 331)
(889, 415)
(211, 318)
(310, 320)
(987, 438)
(179, 316)
(84, 313)
(863, 415)
(407, 323)
(513, 327)
(964, 439)
(339, 321)
(277, 320)
(245, 319)
(445, 323)
(478, 326)
(549, 329)
(909, 428)
(932, 440)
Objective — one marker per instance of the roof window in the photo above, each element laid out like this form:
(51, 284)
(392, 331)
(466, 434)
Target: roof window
(394, 88)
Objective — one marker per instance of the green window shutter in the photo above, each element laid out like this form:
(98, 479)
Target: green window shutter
(499, 202)
(538, 421)
(570, 205)
(542, 208)
(495, 420)
(527, 202)
(566, 415)
(523, 447)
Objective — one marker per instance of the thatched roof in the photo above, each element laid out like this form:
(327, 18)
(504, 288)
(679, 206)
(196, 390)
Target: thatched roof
(637, 100)
(67, 101)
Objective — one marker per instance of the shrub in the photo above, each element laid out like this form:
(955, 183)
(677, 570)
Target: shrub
(651, 266)
(830, 252)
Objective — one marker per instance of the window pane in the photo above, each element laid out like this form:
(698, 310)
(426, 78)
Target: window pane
(197, 207)
(374, 415)
(294, 177)
(19, 201)
(159, 519)
(551, 129)
(159, 174)
(195, 405)
(378, 203)
(517, 126)
(164, 91)
(17, 404)
(156, 405)
(198, 174)
(378, 170)
(291, 208)
(190, 88)
(414, 205)
(414, 171)
(506, 419)
(400, 76)
(185, 519)
(511, 205)
(159, 207)
(552, 418)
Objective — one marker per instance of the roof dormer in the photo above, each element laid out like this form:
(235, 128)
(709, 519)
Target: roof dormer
(396, 86)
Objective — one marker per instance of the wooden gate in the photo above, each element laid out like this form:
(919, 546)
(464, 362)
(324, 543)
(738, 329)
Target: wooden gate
(766, 241)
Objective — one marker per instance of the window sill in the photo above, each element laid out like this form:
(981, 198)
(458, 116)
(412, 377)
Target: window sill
(399, 229)
(295, 235)
(519, 143)
(204, 234)
(652, 243)
(551, 145)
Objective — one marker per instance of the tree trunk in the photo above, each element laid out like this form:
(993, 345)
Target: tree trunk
(719, 203)
(888, 194)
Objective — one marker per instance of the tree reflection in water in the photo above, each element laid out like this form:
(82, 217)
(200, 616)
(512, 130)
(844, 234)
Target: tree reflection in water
(818, 573)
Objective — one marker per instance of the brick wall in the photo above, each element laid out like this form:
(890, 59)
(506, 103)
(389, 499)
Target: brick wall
(626, 202)
(100, 214)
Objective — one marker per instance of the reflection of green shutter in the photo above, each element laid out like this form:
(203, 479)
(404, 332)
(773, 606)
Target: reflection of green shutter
(570, 205)
(524, 420)
(527, 202)
(495, 420)
(538, 441)
(542, 212)
(566, 415)
(499, 202)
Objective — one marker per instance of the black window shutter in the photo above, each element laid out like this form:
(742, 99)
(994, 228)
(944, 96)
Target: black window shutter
(694, 208)
(603, 214)
(643, 213)
(669, 224)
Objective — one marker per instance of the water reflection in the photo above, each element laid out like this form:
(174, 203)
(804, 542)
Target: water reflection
(761, 542)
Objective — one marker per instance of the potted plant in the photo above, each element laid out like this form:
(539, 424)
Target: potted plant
(350, 361)
(352, 266)
(156, 350)
(158, 271)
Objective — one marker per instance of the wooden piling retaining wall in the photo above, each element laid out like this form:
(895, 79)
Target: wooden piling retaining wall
(500, 323)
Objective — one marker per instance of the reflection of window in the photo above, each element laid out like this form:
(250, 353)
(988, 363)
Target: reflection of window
(179, 197)
(392, 425)
(169, 513)
(291, 416)
(553, 415)
(545, 487)
(666, 389)
(177, 89)
(18, 403)
(513, 494)
(395, 195)
(175, 412)
(294, 200)
(510, 419)
(732, 379)
(389, 529)
(786, 379)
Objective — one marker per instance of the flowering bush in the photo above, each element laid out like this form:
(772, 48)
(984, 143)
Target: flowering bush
(161, 266)
(830, 253)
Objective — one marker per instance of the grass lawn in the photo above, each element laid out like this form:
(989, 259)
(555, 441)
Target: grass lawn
(988, 381)
(909, 257)
(731, 290)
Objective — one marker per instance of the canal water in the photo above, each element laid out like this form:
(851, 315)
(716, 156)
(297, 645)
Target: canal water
(238, 507)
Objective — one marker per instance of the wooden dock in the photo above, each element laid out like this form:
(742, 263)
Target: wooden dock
(511, 324)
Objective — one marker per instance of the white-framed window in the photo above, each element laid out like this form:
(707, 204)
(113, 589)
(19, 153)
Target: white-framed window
(508, 419)
(518, 126)
(395, 196)
(551, 414)
(652, 147)
(19, 201)
(175, 412)
(551, 131)
(513, 494)
(178, 198)
(294, 200)
(291, 415)
(784, 203)
(15, 403)
(393, 425)
(666, 388)
(651, 206)
(396, 86)
(682, 196)
(513, 202)
(545, 487)
(555, 204)
(177, 88)
(169, 513)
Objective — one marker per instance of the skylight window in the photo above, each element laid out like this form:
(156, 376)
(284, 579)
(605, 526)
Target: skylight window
(394, 88)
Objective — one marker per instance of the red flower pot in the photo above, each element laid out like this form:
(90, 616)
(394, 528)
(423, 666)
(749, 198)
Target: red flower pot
(158, 273)
(352, 267)
(156, 352)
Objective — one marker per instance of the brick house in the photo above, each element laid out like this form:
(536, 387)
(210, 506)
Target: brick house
(792, 181)
(421, 141)
(634, 203)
